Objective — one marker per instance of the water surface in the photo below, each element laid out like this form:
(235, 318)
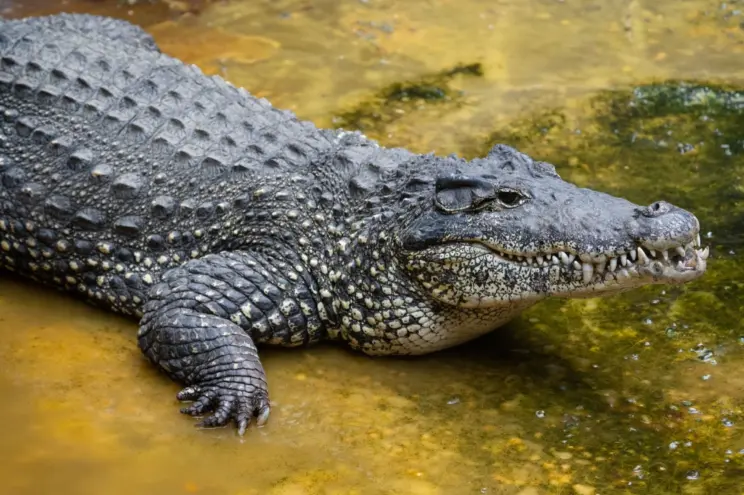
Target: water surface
(638, 393)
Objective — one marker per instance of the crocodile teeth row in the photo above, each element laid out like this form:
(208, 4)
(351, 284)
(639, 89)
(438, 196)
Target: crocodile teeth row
(621, 265)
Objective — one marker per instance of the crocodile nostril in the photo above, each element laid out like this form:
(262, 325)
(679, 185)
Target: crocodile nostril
(657, 209)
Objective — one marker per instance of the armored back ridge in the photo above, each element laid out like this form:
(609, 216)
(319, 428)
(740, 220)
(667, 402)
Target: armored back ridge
(144, 186)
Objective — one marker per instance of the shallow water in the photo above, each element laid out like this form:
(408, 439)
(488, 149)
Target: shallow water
(638, 393)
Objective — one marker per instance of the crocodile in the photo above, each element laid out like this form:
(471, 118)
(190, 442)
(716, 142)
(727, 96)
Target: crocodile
(223, 224)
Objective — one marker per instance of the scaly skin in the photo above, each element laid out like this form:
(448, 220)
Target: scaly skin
(152, 190)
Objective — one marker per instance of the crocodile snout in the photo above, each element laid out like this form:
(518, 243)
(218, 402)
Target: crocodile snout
(661, 225)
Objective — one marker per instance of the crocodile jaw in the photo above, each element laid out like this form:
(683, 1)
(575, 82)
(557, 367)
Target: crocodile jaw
(477, 275)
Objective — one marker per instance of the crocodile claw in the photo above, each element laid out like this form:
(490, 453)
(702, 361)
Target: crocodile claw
(226, 404)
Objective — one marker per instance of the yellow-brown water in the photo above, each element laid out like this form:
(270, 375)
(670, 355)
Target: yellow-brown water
(639, 393)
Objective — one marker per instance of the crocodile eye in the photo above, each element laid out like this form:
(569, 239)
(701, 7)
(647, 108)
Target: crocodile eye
(510, 198)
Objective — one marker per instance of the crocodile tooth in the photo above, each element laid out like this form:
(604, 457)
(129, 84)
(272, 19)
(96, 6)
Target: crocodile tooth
(571, 257)
(588, 271)
(642, 258)
(633, 271)
(624, 260)
(529, 260)
(577, 265)
(623, 274)
(613, 264)
(564, 258)
(539, 260)
(697, 240)
(633, 254)
(586, 258)
(680, 251)
(652, 252)
(554, 260)
(665, 255)
(705, 253)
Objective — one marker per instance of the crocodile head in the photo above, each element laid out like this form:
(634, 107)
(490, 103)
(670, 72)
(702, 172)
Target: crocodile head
(508, 228)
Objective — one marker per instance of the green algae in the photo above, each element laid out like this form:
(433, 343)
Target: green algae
(400, 98)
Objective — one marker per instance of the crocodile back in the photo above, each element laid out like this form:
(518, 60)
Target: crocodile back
(115, 141)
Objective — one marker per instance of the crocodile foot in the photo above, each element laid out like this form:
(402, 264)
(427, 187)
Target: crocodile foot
(239, 402)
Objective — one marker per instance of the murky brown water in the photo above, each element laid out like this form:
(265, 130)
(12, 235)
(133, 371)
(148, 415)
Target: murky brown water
(640, 393)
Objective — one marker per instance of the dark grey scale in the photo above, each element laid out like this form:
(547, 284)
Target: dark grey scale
(31, 193)
(80, 89)
(205, 211)
(125, 255)
(61, 145)
(143, 126)
(59, 207)
(129, 226)
(17, 227)
(174, 238)
(113, 121)
(102, 173)
(174, 131)
(162, 146)
(6, 82)
(134, 281)
(89, 278)
(21, 250)
(187, 239)
(136, 133)
(222, 207)
(213, 166)
(187, 208)
(243, 166)
(61, 267)
(43, 135)
(93, 110)
(326, 199)
(156, 243)
(118, 286)
(185, 158)
(47, 236)
(10, 115)
(24, 87)
(25, 125)
(124, 77)
(127, 186)
(90, 219)
(47, 94)
(242, 202)
(83, 247)
(80, 159)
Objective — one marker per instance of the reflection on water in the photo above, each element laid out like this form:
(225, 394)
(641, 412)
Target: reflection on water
(639, 393)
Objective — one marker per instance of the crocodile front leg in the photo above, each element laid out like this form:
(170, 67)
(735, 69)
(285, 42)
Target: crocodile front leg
(202, 320)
